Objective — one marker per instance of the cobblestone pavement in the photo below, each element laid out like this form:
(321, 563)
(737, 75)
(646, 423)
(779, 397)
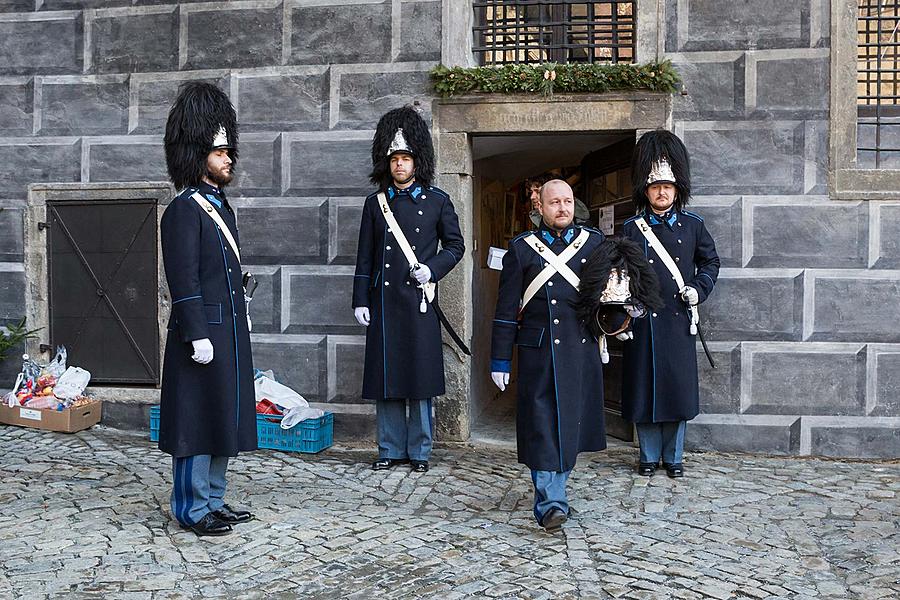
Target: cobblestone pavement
(86, 516)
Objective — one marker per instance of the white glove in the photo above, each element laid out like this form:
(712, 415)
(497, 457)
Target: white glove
(362, 315)
(422, 274)
(689, 295)
(501, 379)
(247, 300)
(625, 336)
(203, 351)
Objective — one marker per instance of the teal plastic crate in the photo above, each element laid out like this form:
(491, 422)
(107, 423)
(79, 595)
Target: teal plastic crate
(154, 423)
(310, 436)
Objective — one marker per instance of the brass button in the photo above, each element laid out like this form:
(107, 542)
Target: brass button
(550, 283)
(387, 247)
(555, 341)
(387, 283)
(420, 212)
(556, 321)
(387, 265)
(650, 261)
(553, 301)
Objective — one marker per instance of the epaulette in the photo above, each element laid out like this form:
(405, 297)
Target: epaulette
(432, 188)
(373, 195)
(591, 229)
(631, 219)
(690, 214)
(187, 192)
(522, 235)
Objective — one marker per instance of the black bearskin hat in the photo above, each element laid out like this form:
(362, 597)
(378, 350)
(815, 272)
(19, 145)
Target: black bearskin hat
(653, 149)
(195, 120)
(415, 140)
(622, 254)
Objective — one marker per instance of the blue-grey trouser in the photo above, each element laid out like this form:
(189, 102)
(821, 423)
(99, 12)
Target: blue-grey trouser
(661, 440)
(198, 486)
(401, 436)
(549, 492)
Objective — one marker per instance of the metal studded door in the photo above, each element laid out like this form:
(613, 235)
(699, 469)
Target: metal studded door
(103, 271)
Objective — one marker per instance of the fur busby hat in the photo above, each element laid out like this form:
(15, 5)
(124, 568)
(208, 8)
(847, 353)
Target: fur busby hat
(402, 130)
(616, 283)
(660, 156)
(201, 119)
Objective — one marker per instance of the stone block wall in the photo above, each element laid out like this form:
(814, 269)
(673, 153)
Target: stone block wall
(802, 321)
(84, 92)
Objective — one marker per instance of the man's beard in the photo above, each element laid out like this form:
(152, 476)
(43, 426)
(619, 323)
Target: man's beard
(403, 181)
(221, 177)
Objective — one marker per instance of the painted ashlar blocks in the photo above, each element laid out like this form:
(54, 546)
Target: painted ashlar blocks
(802, 323)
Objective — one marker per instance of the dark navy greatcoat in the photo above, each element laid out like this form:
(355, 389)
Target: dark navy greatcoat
(404, 358)
(205, 409)
(659, 380)
(560, 382)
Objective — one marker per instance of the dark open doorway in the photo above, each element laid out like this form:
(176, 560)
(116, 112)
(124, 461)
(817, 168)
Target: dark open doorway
(505, 167)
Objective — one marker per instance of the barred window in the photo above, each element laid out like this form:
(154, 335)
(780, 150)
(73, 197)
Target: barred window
(538, 31)
(878, 84)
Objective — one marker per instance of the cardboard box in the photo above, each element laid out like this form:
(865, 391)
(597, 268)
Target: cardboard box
(67, 421)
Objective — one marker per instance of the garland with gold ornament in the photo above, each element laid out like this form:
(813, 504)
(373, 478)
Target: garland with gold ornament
(550, 78)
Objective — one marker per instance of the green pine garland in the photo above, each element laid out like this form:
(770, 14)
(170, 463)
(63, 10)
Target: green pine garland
(552, 78)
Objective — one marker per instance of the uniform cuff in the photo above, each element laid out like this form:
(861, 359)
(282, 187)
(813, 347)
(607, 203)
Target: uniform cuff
(500, 366)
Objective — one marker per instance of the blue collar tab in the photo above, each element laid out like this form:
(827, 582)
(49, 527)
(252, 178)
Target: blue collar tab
(214, 200)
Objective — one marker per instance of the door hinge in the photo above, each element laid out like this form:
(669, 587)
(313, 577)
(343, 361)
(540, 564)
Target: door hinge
(42, 226)
(45, 348)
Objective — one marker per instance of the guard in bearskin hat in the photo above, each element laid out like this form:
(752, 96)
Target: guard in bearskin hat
(409, 239)
(559, 404)
(660, 389)
(207, 408)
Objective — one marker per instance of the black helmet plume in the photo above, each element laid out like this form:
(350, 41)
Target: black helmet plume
(194, 119)
(653, 146)
(616, 253)
(417, 136)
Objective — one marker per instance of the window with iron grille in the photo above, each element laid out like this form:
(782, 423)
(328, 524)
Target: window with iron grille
(878, 84)
(560, 31)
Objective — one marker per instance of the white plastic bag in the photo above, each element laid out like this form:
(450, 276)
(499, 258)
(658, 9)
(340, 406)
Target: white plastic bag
(57, 366)
(280, 394)
(297, 407)
(72, 383)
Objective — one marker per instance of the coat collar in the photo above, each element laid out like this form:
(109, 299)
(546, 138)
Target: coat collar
(549, 236)
(669, 218)
(414, 191)
(213, 194)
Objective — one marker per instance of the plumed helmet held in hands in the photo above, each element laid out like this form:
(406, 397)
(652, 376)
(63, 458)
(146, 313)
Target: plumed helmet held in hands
(402, 130)
(201, 120)
(617, 284)
(660, 157)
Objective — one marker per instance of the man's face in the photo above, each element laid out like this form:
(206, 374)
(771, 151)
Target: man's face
(534, 193)
(661, 196)
(557, 205)
(403, 167)
(218, 167)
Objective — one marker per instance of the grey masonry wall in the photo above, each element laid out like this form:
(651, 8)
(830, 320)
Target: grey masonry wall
(803, 322)
(84, 91)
